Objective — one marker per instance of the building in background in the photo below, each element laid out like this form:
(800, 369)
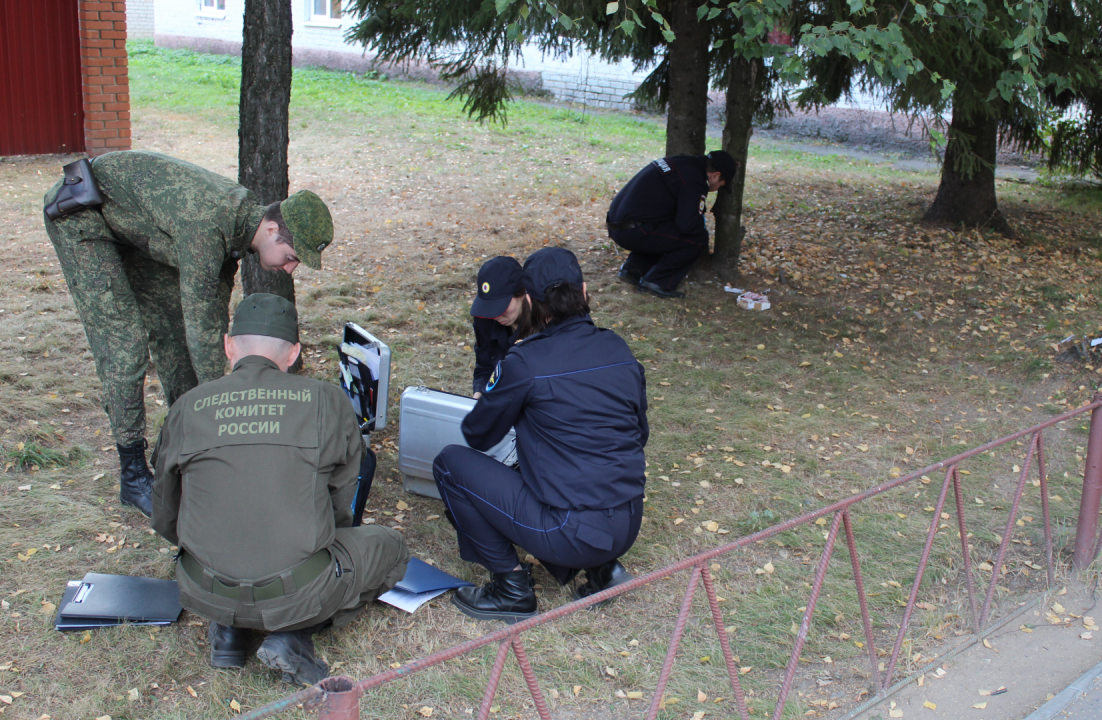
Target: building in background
(215, 26)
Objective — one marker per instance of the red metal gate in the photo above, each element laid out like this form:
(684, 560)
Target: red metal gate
(41, 101)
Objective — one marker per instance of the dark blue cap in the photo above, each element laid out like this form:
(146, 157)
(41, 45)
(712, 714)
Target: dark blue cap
(498, 279)
(549, 267)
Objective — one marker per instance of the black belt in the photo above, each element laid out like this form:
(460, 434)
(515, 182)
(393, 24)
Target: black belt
(627, 225)
(287, 584)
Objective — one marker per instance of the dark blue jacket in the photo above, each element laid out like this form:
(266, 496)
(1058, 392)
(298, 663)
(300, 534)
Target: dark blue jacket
(491, 341)
(668, 189)
(578, 400)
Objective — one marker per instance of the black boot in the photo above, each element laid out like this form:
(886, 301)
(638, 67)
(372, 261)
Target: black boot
(508, 596)
(600, 578)
(227, 645)
(135, 481)
(629, 275)
(292, 653)
(647, 286)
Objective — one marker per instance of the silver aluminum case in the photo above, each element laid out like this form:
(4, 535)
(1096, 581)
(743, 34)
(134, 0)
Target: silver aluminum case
(428, 421)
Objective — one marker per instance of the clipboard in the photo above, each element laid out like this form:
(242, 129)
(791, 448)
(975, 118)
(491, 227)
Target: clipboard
(115, 599)
(421, 583)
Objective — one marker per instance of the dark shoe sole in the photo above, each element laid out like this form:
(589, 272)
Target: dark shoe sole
(296, 670)
(579, 595)
(510, 618)
(661, 293)
(227, 659)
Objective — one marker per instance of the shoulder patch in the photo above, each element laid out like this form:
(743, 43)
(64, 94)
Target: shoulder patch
(494, 377)
(703, 203)
(662, 165)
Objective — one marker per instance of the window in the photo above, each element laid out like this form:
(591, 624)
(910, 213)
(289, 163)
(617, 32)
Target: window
(325, 12)
(212, 8)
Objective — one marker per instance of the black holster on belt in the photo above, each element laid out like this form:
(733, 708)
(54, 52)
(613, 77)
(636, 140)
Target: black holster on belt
(78, 192)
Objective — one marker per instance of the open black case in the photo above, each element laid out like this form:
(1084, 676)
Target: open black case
(365, 378)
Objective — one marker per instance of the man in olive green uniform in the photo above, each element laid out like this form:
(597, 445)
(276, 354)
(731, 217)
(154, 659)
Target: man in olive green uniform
(151, 271)
(255, 476)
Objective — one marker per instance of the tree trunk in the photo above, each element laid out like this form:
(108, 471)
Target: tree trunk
(263, 126)
(966, 195)
(687, 118)
(742, 98)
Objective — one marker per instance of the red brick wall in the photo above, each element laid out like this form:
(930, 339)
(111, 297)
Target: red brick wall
(103, 64)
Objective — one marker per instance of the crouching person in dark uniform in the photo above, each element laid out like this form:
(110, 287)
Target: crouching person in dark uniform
(255, 475)
(577, 398)
(659, 217)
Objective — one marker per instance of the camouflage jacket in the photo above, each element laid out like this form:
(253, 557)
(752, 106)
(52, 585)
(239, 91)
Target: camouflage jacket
(187, 217)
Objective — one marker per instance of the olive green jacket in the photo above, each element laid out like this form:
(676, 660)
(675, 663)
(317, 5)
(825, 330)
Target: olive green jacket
(256, 470)
(184, 216)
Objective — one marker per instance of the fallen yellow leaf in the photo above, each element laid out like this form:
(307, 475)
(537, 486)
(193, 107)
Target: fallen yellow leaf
(235, 706)
(980, 706)
(768, 567)
(191, 692)
(929, 705)
(426, 711)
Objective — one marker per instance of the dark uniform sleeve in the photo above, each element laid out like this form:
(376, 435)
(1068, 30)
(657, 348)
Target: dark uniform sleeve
(483, 355)
(166, 480)
(342, 448)
(644, 426)
(500, 405)
(690, 203)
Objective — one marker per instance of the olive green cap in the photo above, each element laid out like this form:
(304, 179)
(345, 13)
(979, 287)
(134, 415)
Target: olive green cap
(311, 226)
(266, 314)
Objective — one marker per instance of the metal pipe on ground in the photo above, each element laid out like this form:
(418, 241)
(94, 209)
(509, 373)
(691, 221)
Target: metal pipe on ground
(341, 700)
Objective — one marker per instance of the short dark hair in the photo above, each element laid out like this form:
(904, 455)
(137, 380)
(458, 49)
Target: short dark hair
(275, 214)
(561, 303)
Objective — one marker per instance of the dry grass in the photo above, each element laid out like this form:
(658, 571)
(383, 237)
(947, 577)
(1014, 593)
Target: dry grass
(890, 345)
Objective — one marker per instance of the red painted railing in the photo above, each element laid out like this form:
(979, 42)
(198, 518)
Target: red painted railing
(338, 698)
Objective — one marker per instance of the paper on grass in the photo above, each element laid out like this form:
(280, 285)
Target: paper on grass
(409, 601)
(421, 583)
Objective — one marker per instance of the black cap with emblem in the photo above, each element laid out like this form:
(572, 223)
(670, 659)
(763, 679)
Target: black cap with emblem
(549, 267)
(498, 279)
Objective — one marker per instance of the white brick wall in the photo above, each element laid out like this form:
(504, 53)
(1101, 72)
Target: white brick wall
(139, 18)
(581, 78)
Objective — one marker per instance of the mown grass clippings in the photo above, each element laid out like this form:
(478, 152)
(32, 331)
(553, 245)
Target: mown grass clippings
(890, 345)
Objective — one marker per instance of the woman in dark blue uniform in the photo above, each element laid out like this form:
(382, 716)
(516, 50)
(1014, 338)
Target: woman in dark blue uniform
(577, 398)
(498, 312)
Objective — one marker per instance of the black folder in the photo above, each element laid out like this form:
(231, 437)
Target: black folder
(103, 600)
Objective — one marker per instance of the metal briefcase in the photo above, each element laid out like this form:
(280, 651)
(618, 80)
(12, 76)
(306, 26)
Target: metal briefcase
(428, 422)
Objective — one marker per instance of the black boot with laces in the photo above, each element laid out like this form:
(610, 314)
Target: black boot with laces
(508, 596)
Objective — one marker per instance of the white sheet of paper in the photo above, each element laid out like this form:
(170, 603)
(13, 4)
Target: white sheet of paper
(409, 601)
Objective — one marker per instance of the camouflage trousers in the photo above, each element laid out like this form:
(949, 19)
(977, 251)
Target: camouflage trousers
(130, 307)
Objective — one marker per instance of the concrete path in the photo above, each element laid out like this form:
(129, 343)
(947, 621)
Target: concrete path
(909, 164)
(1043, 650)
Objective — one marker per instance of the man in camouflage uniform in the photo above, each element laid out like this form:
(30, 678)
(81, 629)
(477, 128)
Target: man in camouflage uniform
(151, 271)
(256, 473)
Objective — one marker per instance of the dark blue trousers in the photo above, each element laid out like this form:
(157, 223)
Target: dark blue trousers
(492, 509)
(661, 253)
